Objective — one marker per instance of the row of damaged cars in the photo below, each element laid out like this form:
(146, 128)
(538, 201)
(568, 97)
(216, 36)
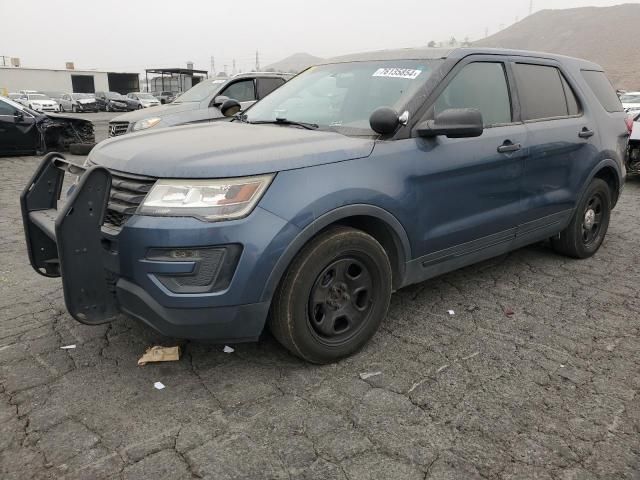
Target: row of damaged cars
(25, 131)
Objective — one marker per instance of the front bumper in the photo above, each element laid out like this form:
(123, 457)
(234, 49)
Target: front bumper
(105, 273)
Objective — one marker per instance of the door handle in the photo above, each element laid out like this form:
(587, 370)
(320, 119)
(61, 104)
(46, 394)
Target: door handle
(586, 133)
(508, 146)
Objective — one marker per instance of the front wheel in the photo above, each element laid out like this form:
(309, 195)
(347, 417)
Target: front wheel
(333, 297)
(585, 234)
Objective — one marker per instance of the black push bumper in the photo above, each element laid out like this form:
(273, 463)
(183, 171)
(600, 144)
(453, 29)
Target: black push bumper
(66, 240)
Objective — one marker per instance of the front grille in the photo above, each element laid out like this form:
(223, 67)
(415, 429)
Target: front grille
(127, 192)
(118, 128)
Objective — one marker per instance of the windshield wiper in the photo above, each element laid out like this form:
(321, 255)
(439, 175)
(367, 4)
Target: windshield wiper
(284, 121)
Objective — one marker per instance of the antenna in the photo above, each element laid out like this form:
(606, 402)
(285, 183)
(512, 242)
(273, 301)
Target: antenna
(213, 66)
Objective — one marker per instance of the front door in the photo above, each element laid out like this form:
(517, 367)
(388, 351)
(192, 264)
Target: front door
(469, 189)
(18, 132)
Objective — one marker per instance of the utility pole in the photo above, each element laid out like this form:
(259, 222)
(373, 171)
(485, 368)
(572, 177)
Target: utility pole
(486, 32)
(257, 61)
(213, 66)
(233, 71)
(530, 7)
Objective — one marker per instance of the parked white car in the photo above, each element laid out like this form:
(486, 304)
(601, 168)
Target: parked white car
(630, 101)
(146, 99)
(39, 102)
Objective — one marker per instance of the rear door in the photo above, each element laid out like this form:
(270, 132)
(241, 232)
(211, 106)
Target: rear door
(562, 137)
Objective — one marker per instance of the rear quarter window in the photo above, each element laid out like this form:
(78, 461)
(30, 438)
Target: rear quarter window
(603, 90)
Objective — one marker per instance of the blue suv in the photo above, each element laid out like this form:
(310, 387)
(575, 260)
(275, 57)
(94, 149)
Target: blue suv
(354, 179)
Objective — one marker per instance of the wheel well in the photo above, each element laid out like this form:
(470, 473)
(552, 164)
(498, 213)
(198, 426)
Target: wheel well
(610, 176)
(385, 235)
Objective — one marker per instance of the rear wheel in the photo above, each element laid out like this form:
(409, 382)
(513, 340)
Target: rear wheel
(333, 297)
(585, 234)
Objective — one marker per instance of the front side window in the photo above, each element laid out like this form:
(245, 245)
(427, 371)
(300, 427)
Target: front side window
(342, 96)
(242, 91)
(541, 89)
(483, 86)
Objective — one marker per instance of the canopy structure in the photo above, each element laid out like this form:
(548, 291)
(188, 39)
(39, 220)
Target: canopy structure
(180, 72)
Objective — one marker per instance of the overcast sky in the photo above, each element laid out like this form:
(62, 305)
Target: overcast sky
(131, 35)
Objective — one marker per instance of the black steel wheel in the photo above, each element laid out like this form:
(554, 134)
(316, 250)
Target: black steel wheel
(588, 227)
(333, 297)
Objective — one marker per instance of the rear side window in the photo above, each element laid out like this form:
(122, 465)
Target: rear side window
(544, 93)
(268, 85)
(601, 87)
(482, 86)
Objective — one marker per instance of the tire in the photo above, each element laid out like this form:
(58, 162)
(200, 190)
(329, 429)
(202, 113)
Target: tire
(333, 297)
(588, 227)
(81, 148)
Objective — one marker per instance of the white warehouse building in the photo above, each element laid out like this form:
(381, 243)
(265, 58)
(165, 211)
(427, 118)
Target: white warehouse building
(13, 79)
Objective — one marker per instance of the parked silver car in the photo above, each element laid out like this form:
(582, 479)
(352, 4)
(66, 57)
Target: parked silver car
(201, 103)
(78, 102)
(146, 99)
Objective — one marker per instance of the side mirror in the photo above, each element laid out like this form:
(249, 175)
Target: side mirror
(384, 120)
(230, 107)
(18, 115)
(453, 123)
(219, 100)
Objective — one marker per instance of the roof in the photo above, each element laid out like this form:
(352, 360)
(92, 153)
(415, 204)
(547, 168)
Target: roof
(181, 71)
(425, 53)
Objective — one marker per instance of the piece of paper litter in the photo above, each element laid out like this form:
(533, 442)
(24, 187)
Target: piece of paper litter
(228, 349)
(67, 347)
(451, 312)
(364, 376)
(158, 385)
(160, 354)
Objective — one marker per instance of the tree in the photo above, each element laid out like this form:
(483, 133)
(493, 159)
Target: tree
(453, 42)
(431, 44)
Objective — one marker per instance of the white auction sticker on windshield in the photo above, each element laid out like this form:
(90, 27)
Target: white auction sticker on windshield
(397, 73)
(218, 81)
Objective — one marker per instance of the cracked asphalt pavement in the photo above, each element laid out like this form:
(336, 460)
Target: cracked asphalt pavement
(535, 376)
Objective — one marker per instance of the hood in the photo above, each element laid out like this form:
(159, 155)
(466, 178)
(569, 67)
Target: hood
(43, 102)
(225, 149)
(159, 111)
(86, 100)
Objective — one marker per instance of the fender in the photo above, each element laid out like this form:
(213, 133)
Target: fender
(607, 162)
(324, 221)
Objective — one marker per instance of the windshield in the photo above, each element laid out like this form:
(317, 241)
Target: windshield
(80, 96)
(37, 96)
(201, 91)
(115, 96)
(630, 98)
(342, 96)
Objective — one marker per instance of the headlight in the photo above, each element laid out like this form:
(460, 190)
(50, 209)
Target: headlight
(146, 123)
(209, 200)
